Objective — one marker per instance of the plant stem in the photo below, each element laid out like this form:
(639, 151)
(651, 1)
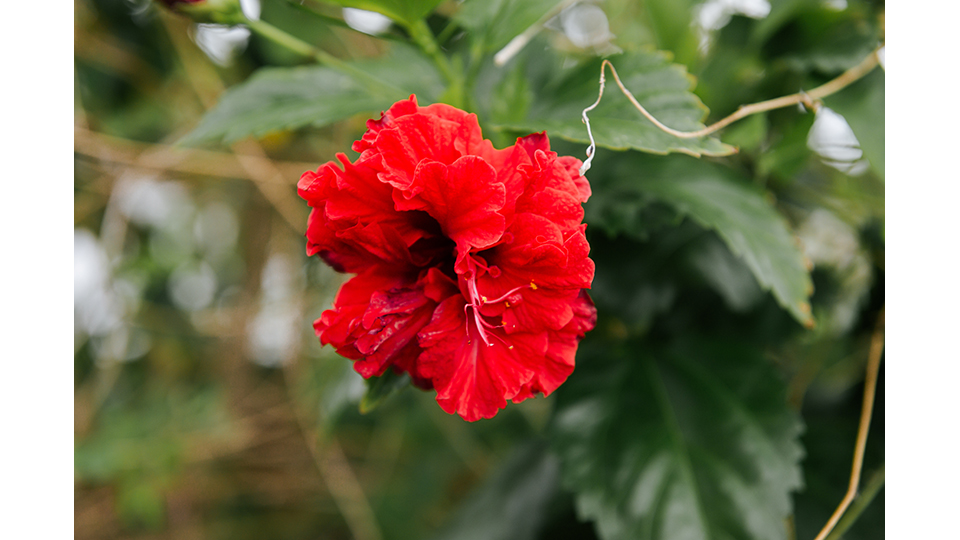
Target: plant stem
(424, 38)
(869, 391)
(860, 504)
(808, 99)
(333, 21)
(293, 44)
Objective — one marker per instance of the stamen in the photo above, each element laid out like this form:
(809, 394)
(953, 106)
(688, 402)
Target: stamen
(479, 322)
(477, 301)
(500, 339)
(506, 295)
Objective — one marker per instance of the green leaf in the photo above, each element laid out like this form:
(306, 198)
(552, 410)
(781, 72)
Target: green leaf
(835, 46)
(671, 22)
(513, 503)
(716, 199)
(403, 11)
(693, 442)
(499, 21)
(781, 12)
(661, 87)
(276, 99)
(789, 153)
(511, 98)
(380, 388)
(406, 68)
(862, 105)
(725, 273)
(832, 420)
(140, 504)
(282, 99)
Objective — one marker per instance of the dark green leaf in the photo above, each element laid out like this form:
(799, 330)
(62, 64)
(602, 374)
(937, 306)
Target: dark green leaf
(670, 21)
(379, 388)
(781, 12)
(832, 422)
(714, 198)
(406, 69)
(862, 105)
(661, 87)
(512, 97)
(725, 273)
(277, 99)
(747, 134)
(499, 21)
(281, 99)
(513, 503)
(788, 153)
(635, 282)
(404, 11)
(834, 47)
(694, 442)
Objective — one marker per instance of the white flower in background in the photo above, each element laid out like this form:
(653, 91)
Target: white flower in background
(97, 310)
(192, 286)
(273, 334)
(715, 14)
(368, 22)
(102, 305)
(251, 9)
(829, 242)
(216, 229)
(836, 5)
(586, 25)
(833, 140)
(147, 202)
(221, 43)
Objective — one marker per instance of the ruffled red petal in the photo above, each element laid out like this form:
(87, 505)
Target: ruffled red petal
(474, 378)
(464, 198)
(471, 261)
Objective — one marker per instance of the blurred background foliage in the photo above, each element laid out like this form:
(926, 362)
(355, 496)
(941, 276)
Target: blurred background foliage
(206, 408)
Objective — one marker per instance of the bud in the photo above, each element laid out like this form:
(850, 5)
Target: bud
(208, 11)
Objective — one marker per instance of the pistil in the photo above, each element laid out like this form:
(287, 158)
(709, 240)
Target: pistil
(476, 301)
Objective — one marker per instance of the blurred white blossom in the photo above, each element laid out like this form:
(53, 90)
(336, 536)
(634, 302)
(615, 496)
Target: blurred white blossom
(148, 202)
(216, 229)
(586, 25)
(713, 15)
(833, 140)
(251, 9)
(192, 286)
(368, 22)
(830, 243)
(273, 334)
(221, 43)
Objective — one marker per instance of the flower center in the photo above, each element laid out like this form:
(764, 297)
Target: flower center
(477, 300)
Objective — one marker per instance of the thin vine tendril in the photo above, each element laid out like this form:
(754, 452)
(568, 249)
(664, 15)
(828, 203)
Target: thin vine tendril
(810, 99)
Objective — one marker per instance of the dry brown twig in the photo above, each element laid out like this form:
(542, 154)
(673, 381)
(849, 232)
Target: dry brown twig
(335, 470)
(251, 156)
(808, 99)
(866, 413)
(162, 157)
(811, 101)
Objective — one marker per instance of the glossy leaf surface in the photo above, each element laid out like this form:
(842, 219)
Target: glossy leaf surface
(691, 442)
(716, 199)
(661, 87)
(278, 99)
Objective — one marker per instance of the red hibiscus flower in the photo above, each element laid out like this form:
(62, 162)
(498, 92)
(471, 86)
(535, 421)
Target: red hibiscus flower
(470, 262)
